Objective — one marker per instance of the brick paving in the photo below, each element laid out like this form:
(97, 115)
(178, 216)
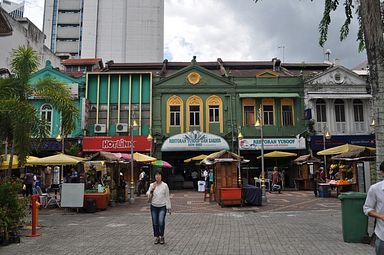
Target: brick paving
(291, 223)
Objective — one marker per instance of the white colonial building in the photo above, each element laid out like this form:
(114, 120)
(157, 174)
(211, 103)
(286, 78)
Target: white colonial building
(340, 103)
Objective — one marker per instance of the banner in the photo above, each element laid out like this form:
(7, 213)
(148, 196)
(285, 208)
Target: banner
(273, 144)
(115, 143)
(195, 141)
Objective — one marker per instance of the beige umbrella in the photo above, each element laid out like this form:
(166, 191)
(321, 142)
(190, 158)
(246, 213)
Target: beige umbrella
(342, 149)
(278, 154)
(58, 159)
(138, 157)
(15, 162)
(196, 158)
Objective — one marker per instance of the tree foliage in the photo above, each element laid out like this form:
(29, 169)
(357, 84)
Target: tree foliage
(19, 119)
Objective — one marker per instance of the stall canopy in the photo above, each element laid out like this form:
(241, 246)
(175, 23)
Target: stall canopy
(356, 154)
(342, 149)
(308, 158)
(58, 159)
(15, 162)
(217, 157)
(196, 158)
(278, 154)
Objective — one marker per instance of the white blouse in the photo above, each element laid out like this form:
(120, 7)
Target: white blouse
(160, 195)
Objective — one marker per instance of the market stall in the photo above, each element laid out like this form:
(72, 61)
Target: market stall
(307, 165)
(227, 179)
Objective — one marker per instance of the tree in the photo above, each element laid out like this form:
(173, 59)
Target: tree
(19, 119)
(370, 36)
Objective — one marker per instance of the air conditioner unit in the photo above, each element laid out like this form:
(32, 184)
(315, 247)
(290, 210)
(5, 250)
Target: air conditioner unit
(121, 127)
(100, 128)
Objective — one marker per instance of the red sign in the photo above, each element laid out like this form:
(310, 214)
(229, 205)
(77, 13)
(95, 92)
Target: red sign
(115, 143)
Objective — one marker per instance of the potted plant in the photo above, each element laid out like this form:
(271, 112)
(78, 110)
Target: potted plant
(12, 209)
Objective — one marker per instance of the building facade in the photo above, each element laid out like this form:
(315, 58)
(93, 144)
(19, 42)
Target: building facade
(201, 107)
(22, 32)
(340, 103)
(122, 31)
(16, 10)
(52, 117)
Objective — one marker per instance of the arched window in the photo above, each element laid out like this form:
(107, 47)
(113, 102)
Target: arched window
(358, 114)
(46, 116)
(214, 112)
(175, 113)
(340, 115)
(194, 109)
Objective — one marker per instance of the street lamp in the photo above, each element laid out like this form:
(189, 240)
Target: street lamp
(60, 138)
(239, 137)
(259, 123)
(326, 136)
(132, 187)
(150, 139)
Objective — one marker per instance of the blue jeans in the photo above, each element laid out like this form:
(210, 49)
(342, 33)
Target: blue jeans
(379, 246)
(158, 220)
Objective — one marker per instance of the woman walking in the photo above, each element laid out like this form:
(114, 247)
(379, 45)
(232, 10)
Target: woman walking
(158, 195)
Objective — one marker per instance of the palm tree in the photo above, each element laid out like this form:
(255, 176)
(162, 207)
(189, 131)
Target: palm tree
(19, 119)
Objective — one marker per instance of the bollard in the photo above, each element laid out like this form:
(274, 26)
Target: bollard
(35, 214)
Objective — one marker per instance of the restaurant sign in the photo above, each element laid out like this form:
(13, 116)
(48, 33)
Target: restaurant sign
(273, 144)
(115, 143)
(195, 141)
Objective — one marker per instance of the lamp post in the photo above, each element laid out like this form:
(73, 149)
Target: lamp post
(150, 139)
(239, 137)
(132, 186)
(60, 138)
(326, 136)
(259, 123)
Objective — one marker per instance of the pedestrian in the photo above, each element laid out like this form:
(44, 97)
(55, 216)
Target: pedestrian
(276, 179)
(141, 186)
(158, 196)
(374, 207)
(195, 177)
(28, 181)
(74, 176)
(316, 180)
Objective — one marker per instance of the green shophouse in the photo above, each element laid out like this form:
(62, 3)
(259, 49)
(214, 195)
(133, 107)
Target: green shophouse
(52, 116)
(199, 108)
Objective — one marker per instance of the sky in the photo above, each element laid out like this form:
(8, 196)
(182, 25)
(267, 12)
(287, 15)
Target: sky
(243, 30)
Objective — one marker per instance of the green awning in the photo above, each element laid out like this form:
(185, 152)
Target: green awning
(266, 95)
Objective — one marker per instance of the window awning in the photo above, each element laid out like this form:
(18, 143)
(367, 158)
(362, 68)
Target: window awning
(338, 96)
(266, 95)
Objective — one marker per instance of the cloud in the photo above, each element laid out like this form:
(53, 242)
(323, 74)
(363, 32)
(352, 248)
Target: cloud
(244, 30)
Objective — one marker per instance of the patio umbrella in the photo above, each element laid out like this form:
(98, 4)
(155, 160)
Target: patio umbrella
(196, 158)
(161, 163)
(342, 149)
(143, 158)
(15, 162)
(356, 154)
(278, 154)
(58, 159)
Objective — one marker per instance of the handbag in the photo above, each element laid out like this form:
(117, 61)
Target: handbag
(150, 197)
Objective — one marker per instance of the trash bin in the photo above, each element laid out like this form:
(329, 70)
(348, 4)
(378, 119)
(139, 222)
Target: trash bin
(201, 186)
(324, 190)
(354, 221)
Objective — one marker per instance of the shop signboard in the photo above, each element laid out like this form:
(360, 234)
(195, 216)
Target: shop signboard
(273, 144)
(115, 143)
(317, 142)
(195, 141)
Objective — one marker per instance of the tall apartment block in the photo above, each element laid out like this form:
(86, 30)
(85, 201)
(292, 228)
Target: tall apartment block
(125, 31)
(15, 9)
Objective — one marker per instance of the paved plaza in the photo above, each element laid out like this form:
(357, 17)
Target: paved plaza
(291, 223)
